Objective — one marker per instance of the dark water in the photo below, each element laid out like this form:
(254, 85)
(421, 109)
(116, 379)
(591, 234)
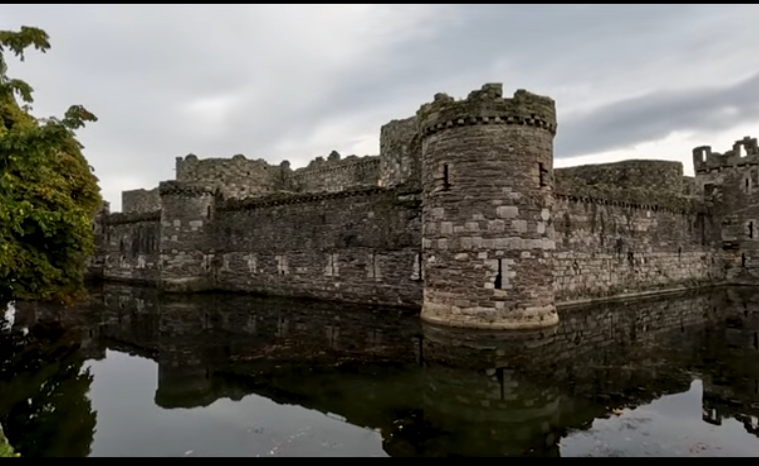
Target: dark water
(132, 375)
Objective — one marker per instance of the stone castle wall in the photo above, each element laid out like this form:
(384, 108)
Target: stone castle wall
(139, 201)
(461, 213)
(130, 247)
(607, 247)
(358, 245)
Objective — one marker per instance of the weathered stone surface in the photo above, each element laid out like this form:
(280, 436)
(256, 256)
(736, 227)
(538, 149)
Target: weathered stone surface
(470, 168)
(461, 214)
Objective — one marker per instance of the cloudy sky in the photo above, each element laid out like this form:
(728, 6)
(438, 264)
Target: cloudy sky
(294, 82)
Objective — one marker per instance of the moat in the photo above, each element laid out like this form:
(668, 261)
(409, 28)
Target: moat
(135, 374)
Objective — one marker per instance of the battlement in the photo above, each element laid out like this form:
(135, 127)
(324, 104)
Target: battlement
(487, 106)
(744, 152)
(335, 163)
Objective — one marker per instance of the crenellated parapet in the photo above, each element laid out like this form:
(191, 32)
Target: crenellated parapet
(488, 106)
(336, 173)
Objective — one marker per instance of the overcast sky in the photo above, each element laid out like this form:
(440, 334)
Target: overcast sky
(295, 82)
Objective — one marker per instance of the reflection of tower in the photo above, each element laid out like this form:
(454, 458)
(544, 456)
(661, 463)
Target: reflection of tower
(473, 414)
(487, 165)
(184, 379)
(483, 349)
(474, 404)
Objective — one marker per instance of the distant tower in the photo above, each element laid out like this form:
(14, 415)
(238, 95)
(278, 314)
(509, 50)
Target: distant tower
(729, 182)
(487, 178)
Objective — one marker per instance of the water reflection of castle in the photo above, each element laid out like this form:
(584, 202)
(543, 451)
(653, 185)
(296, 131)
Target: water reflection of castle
(434, 391)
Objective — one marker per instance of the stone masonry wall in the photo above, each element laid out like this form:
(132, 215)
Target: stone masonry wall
(504, 236)
(140, 201)
(361, 245)
(606, 248)
(130, 247)
(237, 177)
(487, 177)
(729, 184)
(336, 174)
(400, 153)
(654, 175)
(186, 241)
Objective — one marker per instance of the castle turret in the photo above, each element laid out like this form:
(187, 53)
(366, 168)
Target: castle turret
(487, 178)
(729, 182)
(186, 238)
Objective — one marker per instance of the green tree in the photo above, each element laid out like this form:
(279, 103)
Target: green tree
(48, 192)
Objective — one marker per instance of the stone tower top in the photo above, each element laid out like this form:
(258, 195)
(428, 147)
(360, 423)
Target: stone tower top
(744, 152)
(487, 106)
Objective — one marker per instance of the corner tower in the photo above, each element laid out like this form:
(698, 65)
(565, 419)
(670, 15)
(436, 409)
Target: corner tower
(187, 242)
(487, 179)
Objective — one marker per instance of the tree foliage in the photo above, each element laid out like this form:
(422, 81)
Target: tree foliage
(48, 192)
(45, 408)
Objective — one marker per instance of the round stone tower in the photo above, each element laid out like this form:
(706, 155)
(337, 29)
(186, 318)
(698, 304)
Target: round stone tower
(487, 178)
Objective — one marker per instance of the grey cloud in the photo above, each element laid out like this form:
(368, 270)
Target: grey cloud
(625, 123)
(137, 67)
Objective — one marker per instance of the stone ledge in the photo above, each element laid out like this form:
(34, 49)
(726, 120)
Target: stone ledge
(637, 198)
(637, 295)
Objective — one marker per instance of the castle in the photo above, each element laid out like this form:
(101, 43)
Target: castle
(462, 215)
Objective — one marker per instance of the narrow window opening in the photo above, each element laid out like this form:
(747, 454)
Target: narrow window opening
(743, 260)
(208, 211)
(746, 184)
(446, 178)
(543, 175)
(420, 342)
(679, 253)
(702, 225)
(499, 375)
(499, 277)
(750, 229)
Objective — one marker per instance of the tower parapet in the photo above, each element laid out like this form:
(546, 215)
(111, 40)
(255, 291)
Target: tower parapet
(744, 152)
(487, 179)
